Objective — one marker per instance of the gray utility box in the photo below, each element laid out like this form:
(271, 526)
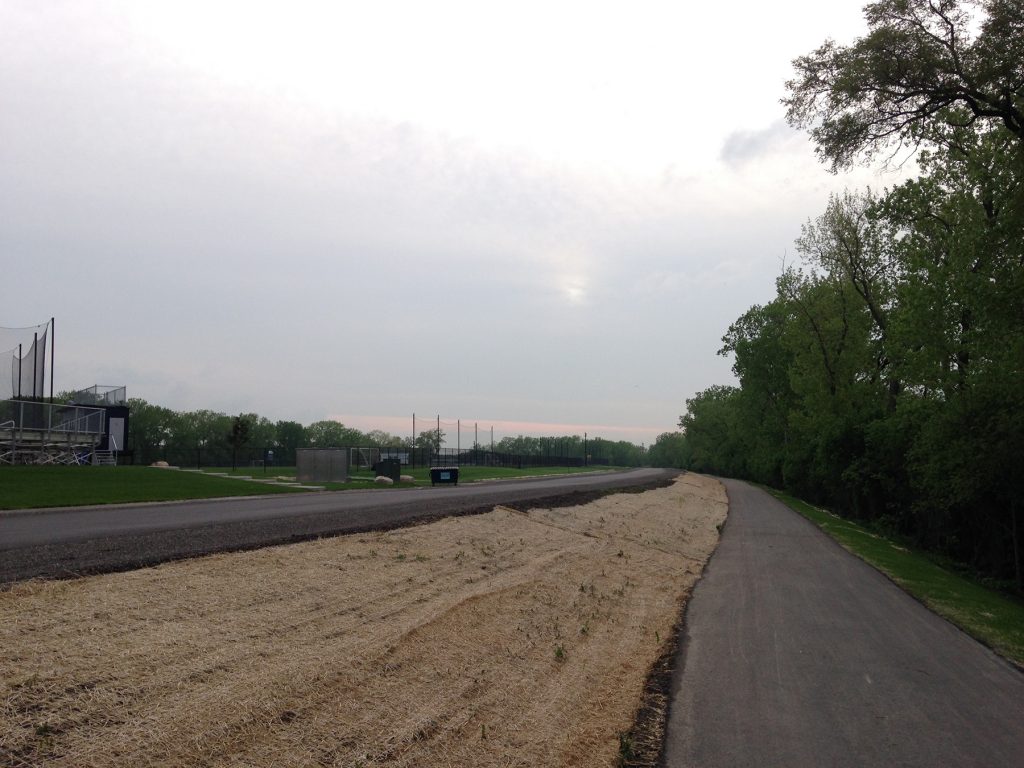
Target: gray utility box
(389, 468)
(322, 465)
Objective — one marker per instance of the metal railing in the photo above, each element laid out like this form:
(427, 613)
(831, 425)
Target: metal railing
(48, 433)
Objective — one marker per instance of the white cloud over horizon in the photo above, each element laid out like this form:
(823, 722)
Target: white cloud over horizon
(530, 214)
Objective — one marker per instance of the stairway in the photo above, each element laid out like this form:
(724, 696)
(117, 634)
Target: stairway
(104, 458)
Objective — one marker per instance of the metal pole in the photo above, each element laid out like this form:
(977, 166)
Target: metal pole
(458, 440)
(53, 336)
(35, 362)
(439, 436)
(584, 449)
(19, 371)
(412, 445)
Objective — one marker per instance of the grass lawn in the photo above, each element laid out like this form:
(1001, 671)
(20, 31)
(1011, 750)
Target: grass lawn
(22, 487)
(994, 618)
(361, 478)
(25, 487)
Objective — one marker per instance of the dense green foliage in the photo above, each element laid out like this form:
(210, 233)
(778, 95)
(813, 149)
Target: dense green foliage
(886, 376)
(669, 450)
(620, 453)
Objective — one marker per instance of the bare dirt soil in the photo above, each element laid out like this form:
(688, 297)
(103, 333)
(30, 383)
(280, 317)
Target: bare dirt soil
(500, 639)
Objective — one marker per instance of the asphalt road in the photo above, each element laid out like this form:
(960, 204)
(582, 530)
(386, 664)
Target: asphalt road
(57, 543)
(795, 653)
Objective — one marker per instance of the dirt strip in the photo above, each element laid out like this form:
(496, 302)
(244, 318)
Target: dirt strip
(501, 639)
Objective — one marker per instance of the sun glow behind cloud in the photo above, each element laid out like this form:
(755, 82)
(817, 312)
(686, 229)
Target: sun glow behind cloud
(585, 194)
(574, 288)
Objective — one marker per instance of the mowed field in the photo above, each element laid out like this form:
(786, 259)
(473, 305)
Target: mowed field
(500, 639)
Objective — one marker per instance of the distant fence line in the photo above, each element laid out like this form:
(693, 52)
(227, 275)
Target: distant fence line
(361, 457)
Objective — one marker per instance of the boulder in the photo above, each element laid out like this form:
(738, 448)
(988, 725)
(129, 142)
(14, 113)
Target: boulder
(381, 480)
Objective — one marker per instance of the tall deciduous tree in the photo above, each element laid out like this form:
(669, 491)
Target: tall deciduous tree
(669, 450)
(714, 432)
(430, 440)
(899, 83)
(290, 436)
(333, 434)
(149, 427)
(885, 378)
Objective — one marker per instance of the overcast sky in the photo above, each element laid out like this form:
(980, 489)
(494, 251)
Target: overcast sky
(540, 216)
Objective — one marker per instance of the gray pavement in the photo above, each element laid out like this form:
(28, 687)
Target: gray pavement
(77, 540)
(795, 653)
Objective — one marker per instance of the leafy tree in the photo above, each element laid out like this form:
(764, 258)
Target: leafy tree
(200, 428)
(713, 431)
(920, 67)
(430, 440)
(290, 436)
(238, 436)
(382, 439)
(669, 450)
(962, 307)
(520, 445)
(623, 453)
(149, 427)
(854, 247)
(262, 432)
(333, 434)
(884, 378)
(763, 359)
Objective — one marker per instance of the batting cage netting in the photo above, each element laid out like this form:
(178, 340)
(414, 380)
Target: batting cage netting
(23, 361)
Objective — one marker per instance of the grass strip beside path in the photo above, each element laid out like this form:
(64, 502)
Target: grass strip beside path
(25, 487)
(994, 618)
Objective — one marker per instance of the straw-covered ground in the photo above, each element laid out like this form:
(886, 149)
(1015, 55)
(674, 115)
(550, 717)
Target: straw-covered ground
(501, 639)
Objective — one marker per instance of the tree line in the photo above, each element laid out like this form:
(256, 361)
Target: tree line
(885, 378)
(212, 438)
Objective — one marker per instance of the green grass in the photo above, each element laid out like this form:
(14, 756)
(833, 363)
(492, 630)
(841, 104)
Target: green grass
(994, 618)
(363, 478)
(467, 474)
(24, 487)
(27, 487)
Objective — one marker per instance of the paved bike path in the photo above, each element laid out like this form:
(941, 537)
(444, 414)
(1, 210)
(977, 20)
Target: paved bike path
(795, 653)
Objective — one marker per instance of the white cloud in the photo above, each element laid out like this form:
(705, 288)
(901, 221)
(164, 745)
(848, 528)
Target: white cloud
(532, 212)
(745, 146)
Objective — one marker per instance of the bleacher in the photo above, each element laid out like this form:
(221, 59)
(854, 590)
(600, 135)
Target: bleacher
(33, 432)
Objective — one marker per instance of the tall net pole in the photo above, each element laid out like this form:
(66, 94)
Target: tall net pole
(52, 342)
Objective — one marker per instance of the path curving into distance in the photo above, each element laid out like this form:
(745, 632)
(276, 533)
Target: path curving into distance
(795, 653)
(58, 543)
